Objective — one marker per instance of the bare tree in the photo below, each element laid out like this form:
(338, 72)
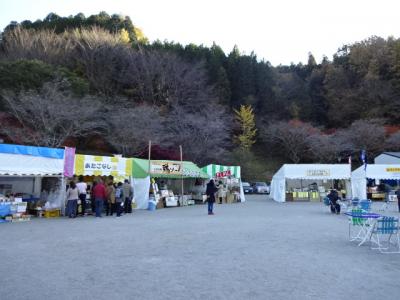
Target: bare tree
(162, 78)
(204, 136)
(392, 143)
(44, 45)
(328, 148)
(291, 138)
(49, 117)
(131, 128)
(366, 135)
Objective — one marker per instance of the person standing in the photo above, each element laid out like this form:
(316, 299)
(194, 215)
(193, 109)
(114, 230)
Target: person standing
(110, 204)
(72, 200)
(220, 191)
(128, 196)
(92, 201)
(334, 197)
(119, 198)
(210, 192)
(82, 187)
(100, 195)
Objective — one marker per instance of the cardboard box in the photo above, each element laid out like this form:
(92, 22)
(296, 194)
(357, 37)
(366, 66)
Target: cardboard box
(52, 213)
(171, 201)
(21, 208)
(160, 203)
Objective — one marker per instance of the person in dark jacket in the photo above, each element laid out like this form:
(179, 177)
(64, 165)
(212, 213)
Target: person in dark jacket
(210, 192)
(334, 197)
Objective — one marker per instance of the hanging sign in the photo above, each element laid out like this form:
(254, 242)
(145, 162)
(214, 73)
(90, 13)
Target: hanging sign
(69, 158)
(165, 168)
(223, 174)
(395, 172)
(102, 165)
(321, 173)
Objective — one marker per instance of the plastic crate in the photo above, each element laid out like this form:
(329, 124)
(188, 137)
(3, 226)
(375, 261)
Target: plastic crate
(54, 213)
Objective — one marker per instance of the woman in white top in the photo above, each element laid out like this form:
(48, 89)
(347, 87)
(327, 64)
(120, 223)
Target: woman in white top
(82, 187)
(72, 200)
(221, 192)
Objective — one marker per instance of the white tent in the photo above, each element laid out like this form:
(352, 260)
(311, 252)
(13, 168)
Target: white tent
(386, 158)
(22, 169)
(360, 175)
(29, 165)
(306, 172)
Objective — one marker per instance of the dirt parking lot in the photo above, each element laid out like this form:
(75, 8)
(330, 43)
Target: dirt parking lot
(254, 250)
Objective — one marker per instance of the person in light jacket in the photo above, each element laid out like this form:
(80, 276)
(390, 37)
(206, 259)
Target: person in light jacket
(128, 196)
(110, 205)
(221, 191)
(82, 187)
(72, 200)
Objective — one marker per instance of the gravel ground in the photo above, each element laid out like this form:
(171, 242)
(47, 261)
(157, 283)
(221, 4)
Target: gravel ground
(255, 250)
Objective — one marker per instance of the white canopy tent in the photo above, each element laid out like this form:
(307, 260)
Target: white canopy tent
(305, 172)
(22, 169)
(359, 177)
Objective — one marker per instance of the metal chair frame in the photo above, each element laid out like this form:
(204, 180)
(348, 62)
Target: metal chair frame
(386, 226)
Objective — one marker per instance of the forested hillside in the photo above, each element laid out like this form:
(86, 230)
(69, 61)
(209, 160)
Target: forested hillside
(97, 83)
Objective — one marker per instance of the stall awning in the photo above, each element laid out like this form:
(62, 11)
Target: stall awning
(102, 166)
(314, 171)
(165, 169)
(377, 172)
(360, 175)
(222, 171)
(32, 151)
(18, 160)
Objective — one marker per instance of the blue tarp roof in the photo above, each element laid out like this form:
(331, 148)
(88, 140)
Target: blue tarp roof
(32, 150)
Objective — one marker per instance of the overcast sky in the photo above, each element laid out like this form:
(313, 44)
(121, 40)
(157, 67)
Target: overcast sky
(281, 31)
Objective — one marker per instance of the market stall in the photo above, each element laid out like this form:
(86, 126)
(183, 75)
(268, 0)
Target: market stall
(372, 182)
(166, 180)
(108, 168)
(230, 178)
(309, 182)
(32, 177)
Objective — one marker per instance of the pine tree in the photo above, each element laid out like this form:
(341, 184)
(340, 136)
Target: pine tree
(245, 117)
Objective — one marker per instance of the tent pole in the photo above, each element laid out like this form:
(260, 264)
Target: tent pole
(181, 152)
(149, 157)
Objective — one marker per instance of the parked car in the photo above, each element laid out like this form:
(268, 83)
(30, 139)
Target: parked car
(260, 188)
(247, 188)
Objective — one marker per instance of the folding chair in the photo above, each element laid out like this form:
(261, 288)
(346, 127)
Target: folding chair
(365, 205)
(385, 206)
(354, 202)
(358, 222)
(388, 226)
